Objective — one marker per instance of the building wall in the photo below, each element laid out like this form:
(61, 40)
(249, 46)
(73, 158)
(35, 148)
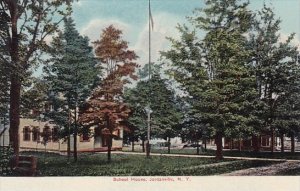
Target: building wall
(27, 142)
(246, 144)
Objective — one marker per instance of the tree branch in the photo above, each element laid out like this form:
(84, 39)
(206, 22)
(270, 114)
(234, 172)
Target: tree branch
(50, 31)
(23, 5)
(3, 59)
(32, 44)
(25, 21)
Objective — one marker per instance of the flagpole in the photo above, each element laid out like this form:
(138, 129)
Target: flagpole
(149, 73)
(149, 39)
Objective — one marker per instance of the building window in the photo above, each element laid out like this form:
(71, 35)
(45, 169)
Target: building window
(104, 141)
(36, 134)
(55, 134)
(265, 141)
(97, 131)
(268, 141)
(46, 134)
(85, 137)
(26, 134)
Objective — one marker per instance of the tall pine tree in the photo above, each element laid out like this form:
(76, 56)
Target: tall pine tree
(72, 73)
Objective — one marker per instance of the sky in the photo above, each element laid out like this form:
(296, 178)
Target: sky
(92, 16)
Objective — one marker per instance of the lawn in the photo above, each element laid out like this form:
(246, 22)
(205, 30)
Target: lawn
(137, 165)
(232, 153)
(290, 172)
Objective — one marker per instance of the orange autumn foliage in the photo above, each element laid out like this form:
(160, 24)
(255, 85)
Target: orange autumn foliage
(105, 107)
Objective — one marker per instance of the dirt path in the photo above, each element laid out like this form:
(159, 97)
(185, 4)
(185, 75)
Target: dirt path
(205, 156)
(265, 170)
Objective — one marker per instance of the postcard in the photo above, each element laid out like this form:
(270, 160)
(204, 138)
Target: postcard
(150, 95)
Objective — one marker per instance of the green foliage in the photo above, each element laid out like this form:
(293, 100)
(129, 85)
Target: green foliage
(155, 93)
(34, 99)
(25, 25)
(214, 71)
(71, 73)
(277, 74)
(46, 136)
(237, 75)
(6, 155)
(4, 79)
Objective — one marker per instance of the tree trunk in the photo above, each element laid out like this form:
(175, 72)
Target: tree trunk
(69, 136)
(148, 148)
(15, 86)
(69, 146)
(272, 140)
(231, 144)
(219, 154)
(132, 145)
(240, 144)
(75, 146)
(293, 143)
(109, 145)
(143, 145)
(255, 143)
(169, 145)
(198, 150)
(282, 142)
(14, 115)
(75, 135)
(45, 152)
(205, 145)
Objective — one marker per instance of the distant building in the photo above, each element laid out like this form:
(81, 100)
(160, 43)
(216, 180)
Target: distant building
(264, 143)
(247, 144)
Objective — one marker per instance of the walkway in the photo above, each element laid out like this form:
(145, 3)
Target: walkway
(206, 156)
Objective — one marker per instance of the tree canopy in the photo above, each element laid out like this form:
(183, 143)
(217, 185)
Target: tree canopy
(106, 107)
(72, 74)
(24, 28)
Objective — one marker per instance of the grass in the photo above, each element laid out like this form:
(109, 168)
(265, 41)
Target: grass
(165, 151)
(232, 153)
(265, 154)
(290, 172)
(137, 165)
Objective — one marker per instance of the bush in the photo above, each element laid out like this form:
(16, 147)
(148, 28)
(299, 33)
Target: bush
(6, 155)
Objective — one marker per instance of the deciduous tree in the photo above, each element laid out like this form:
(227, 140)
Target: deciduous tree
(106, 108)
(26, 25)
(157, 94)
(275, 66)
(214, 71)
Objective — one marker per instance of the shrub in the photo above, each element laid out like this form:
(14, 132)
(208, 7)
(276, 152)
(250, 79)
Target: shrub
(6, 155)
